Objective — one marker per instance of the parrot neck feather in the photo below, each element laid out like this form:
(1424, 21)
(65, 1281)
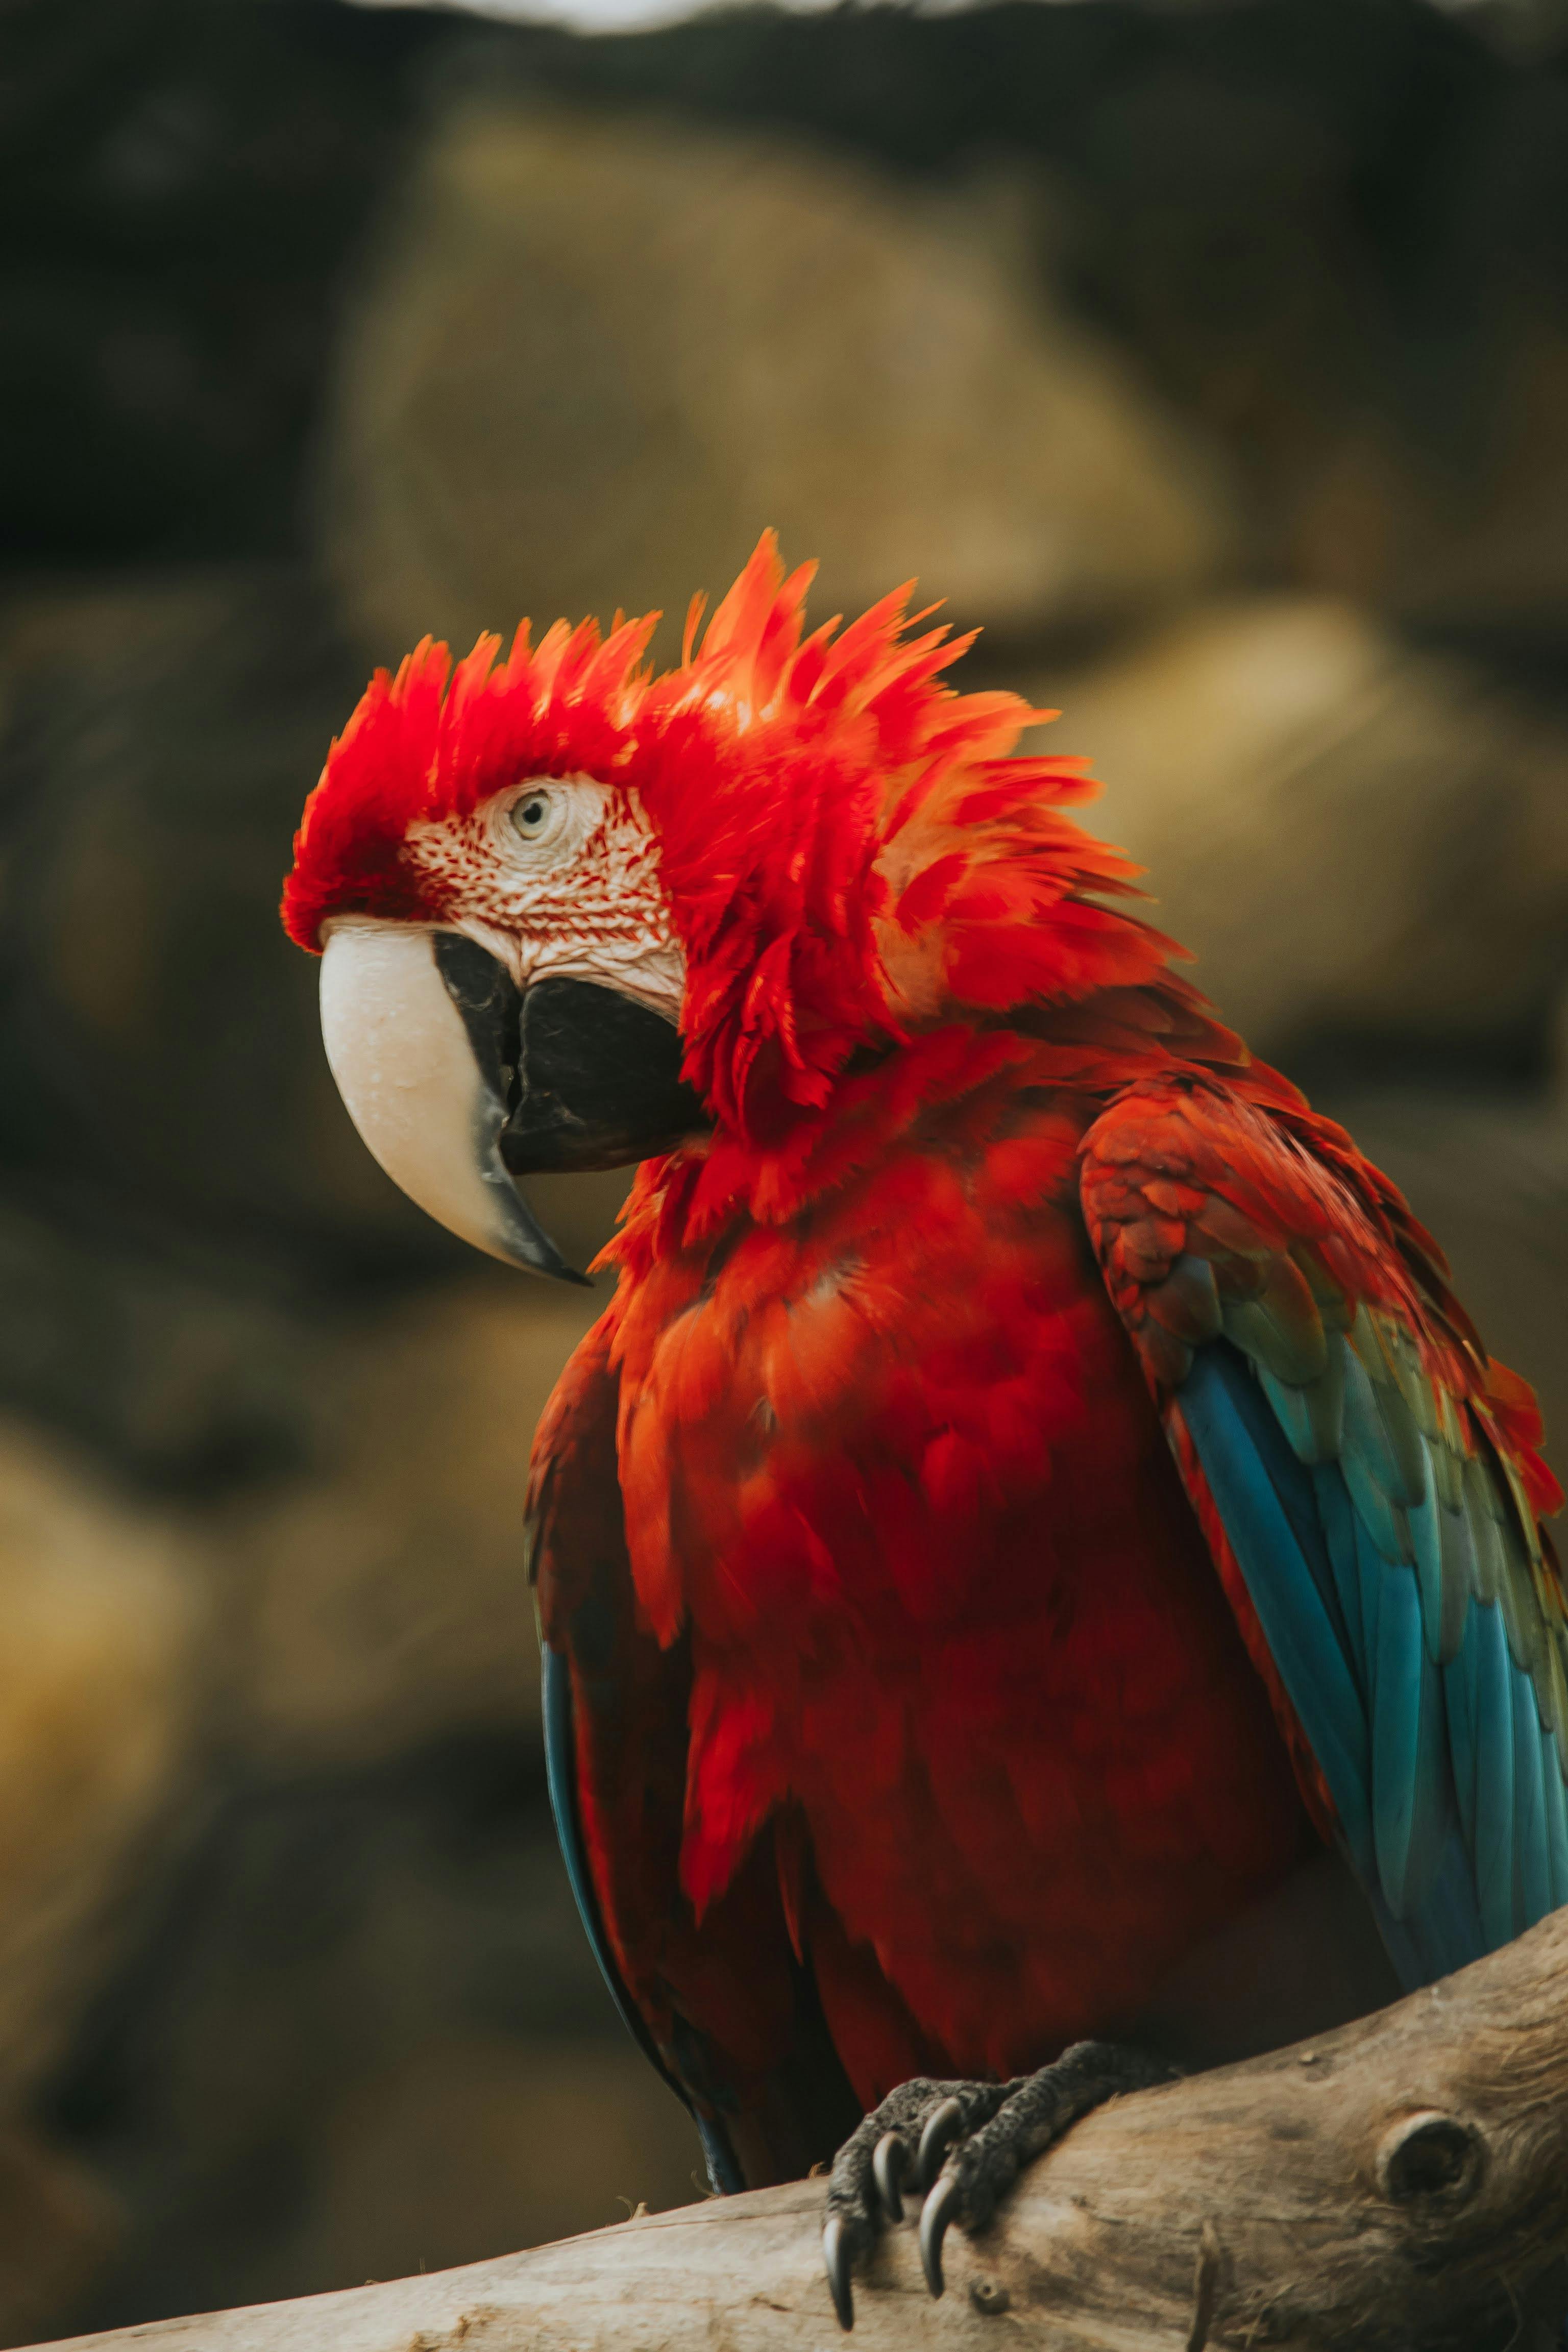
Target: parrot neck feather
(1086, 1051)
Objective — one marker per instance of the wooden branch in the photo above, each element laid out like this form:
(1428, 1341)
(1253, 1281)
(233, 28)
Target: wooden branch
(1398, 2186)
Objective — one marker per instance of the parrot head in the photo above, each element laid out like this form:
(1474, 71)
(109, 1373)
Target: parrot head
(572, 914)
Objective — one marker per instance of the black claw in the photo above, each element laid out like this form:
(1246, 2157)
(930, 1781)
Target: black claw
(941, 2129)
(888, 2165)
(835, 2262)
(935, 2214)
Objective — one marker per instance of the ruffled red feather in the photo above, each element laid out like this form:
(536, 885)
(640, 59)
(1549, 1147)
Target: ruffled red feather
(848, 846)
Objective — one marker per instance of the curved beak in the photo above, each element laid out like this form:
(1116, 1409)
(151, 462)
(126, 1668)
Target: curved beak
(457, 1082)
(401, 1047)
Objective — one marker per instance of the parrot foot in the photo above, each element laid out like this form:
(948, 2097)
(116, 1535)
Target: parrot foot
(960, 2146)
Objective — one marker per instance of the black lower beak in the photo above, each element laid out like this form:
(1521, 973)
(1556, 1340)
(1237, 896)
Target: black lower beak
(599, 1082)
(591, 1079)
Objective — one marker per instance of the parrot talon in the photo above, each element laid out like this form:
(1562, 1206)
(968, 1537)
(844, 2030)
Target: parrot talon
(960, 2146)
(837, 2262)
(942, 2129)
(935, 2214)
(888, 2165)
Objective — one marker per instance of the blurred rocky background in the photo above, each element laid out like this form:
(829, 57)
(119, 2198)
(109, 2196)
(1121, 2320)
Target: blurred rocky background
(1215, 355)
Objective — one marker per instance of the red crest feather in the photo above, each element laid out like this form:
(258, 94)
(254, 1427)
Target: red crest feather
(848, 845)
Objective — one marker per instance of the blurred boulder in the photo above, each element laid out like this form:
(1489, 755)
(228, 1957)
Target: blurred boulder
(158, 1034)
(1487, 1170)
(363, 2031)
(274, 1816)
(59, 2226)
(180, 1371)
(380, 1597)
(593, 356)
(1364, 845)
(348, 1477)
(208, 1281)
(276, 1861)
(1470, 541)
(1337, 237)
(480, 2141)
(199, 1378)
(103, 1698)
(1334, 236)
(161, 1062)
(182, 184)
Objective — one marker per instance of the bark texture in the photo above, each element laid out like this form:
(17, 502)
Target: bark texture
(1398, 2186)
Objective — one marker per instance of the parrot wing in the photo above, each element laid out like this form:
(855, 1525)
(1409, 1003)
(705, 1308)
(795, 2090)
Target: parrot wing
(722, 2005)
(1367, 1480)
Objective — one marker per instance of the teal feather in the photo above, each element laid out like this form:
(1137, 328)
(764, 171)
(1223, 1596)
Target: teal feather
(1426, 1542)
(1402, 1611)
(1459, 1576)
(1311, 1417)
(1372, 1570)
(1493, 1766)
(1520, 1611)
(1407, 1749)
(1337, 1520)
(1290, 1412)
(1371, 1471)
(1399, 1435)
(1559, 1639)
(1484, 1513)
(1286, 1584)
(1418, 1756)
(1405, 1360)
(1532, 1874)
(1459, 1678)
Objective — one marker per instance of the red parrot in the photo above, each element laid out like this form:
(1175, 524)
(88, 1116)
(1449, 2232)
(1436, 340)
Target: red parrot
(1037, 1575)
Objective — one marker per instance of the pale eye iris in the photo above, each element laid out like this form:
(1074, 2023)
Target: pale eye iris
(529, 814)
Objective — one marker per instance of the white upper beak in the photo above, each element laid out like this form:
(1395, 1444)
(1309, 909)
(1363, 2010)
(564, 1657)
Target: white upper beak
(400, 1051)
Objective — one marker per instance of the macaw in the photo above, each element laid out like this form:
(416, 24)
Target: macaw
(1038, 1577)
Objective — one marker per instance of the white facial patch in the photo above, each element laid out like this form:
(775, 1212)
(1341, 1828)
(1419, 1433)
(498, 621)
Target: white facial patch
(558, 877)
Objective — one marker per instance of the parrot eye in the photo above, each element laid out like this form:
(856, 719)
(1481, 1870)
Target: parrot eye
(531, 815)
(539, 825)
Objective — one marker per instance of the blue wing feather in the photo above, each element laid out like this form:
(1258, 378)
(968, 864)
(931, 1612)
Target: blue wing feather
(1485, 1649)
(1290, 1580)
(1532, 1858)
(1448, 1790)
(1425, 1536)
(1407, 1761)
(1337, 1517)
(1460, 1679)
